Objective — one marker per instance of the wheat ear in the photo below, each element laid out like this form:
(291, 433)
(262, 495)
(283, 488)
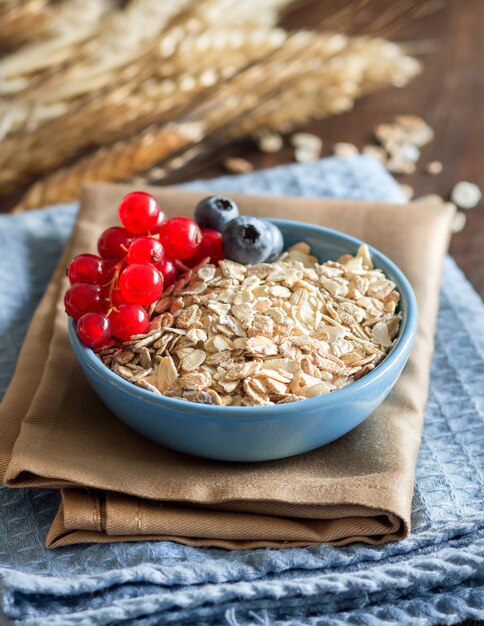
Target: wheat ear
(115, 163)
(22, 21)
(237, 97)
(365, 65)
(97, 65)
(362, 66)
(121, 113)
(71, 24)
(232, 107)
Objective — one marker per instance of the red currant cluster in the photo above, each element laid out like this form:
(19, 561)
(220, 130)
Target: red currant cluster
(109, 293)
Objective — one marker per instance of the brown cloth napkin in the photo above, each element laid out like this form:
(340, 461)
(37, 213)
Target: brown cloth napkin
(118, 486)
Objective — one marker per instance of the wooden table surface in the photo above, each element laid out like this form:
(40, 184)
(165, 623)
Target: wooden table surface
(448, 94)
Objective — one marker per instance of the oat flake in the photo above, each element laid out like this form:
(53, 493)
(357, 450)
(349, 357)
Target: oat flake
(264, 334)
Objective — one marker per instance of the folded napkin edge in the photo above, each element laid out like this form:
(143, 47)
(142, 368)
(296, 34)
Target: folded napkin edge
(92, 188)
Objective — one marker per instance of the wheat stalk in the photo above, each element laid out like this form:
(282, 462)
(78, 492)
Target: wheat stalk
(71, 24)
(126, 158)
(298, 59)
(154, 84)
(385, 63)
(123, 113)
(234, 12)
(21, 21)
(319, 93)
(123, 35)
(121, 41)
(364, 66)
(103, 53)
(223, 50)
(115, 163)
(124, 39)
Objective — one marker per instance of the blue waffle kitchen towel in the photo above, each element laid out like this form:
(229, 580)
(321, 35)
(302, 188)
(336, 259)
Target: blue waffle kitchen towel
(436, 576)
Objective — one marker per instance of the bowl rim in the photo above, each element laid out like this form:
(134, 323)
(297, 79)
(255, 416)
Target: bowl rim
(403, 344)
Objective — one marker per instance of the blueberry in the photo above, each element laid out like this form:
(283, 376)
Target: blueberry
(247, 240)
(277, 242)
(214, 212)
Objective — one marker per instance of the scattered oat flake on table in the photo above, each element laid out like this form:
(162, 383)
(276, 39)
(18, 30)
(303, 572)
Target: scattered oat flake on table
(269, 142)
(265, 334)
(459, 222)
(376, 152)
(407, 191)
(344, 150)
(400, 166)
(408, 152)
(430, 198)
(434, 168)
(415, 129)
(389, 135)
(237, 165)
(466, 195)
(310, 142)
(304, 155)
(401, 141)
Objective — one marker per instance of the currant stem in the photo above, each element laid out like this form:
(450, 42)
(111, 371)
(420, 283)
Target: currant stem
(113, 281)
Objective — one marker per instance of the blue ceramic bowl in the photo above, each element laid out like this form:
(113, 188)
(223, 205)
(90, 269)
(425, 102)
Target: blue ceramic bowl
(267, 432)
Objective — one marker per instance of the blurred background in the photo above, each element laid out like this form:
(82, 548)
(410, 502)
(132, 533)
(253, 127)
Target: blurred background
(164, 92)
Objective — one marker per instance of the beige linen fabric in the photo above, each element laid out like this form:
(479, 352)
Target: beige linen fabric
(118, 486)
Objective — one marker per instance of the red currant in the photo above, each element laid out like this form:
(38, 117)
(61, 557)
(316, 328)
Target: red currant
(117, 298)
(130, 319)
(159, 222)
(169, 271)
(94, 329)
(86, 268)
(83, 298)
(210, 246)
(114, 243)
(141, 284)
(145, 250)
(139, 212)
(180, 237)
(109, 267)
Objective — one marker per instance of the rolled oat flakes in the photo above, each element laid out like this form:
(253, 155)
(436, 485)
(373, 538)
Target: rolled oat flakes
(265, 334)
